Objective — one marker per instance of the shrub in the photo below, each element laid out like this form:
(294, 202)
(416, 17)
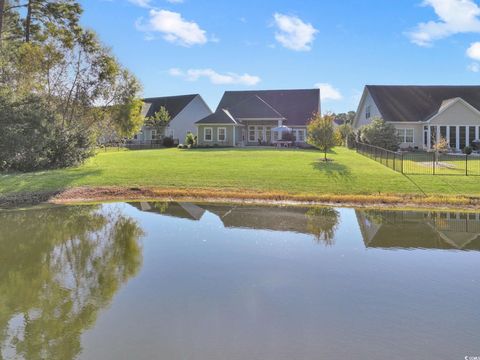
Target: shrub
(190, 139)
(33, 138)
(467, 150)
(168, 142)
(180, 146)
(381, 134)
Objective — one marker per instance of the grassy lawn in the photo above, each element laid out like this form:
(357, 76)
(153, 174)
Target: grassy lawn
(293, 171)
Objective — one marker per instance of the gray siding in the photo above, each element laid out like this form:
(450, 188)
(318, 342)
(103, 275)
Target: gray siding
(228, 142)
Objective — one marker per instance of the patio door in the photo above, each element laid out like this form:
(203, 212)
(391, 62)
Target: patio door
(260, 134)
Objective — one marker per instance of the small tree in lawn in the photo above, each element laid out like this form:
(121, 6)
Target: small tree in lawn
(159, 120)
(321, 133)
(440, 147)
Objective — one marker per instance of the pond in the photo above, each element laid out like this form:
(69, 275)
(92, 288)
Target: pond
(213, 281)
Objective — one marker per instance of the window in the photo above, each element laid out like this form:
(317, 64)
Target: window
(207, 134)
(453, 137)
(260, 133)
(471, 134)
(301, 135)
(405, 135)
(251, 133)
(222, 134)
(368, 112)
(463, 137)
(154, 134)
(268, 133)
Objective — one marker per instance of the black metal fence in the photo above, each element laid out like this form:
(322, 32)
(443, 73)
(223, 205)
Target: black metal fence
(423, 163)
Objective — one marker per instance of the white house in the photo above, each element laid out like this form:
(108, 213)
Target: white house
(184, 110)
(423, 114)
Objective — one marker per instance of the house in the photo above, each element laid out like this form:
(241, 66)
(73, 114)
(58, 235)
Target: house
(184, 110)
(423, 114)
(245, 118)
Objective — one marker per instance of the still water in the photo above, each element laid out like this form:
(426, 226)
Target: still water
(206, 281)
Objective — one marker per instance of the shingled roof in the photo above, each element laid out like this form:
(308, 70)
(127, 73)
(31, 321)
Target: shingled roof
(221, 116)
(418, 103)
(296, 107)
(173, 104)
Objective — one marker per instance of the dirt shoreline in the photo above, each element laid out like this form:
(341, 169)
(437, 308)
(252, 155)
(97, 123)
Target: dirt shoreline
(108, 194)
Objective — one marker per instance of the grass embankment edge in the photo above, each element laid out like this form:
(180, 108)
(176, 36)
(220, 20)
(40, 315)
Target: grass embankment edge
(79, 195)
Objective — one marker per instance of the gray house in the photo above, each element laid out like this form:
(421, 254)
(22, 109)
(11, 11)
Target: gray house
(184, 110)
(246, 118)
(423, 114)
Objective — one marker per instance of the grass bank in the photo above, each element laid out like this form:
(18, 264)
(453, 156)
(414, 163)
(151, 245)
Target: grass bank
(261, 173)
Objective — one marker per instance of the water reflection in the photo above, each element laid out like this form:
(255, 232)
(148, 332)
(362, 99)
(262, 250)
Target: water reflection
(428, 230)
(58, 268)
(379, 229)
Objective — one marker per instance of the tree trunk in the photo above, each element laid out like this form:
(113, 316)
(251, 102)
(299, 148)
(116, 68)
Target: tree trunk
(2, 10)
(28, 21)
(325, 154)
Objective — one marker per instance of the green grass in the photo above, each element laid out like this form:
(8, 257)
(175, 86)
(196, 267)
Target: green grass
(292, 171)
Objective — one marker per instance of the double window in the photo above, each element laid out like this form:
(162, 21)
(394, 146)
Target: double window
(208, 134)
(405, 135)
(251, 133)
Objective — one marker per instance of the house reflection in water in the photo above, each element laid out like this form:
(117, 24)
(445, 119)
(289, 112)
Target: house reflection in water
(379, 229)
(319, 222)
(428, 230)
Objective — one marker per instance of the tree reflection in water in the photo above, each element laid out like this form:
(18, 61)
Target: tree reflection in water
(58, 268)
(323, 223)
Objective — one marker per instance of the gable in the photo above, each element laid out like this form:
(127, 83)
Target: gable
(457, 112)
(254, 107)
(296, 106)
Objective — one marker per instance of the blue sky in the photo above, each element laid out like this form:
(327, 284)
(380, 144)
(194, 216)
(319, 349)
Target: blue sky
(209, 46)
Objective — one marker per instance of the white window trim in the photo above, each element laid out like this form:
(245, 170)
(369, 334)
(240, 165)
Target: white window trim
(403, 137)
(252, 128)
(205, 134)
(218, 134)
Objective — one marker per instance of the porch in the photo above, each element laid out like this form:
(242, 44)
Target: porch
(457, 136)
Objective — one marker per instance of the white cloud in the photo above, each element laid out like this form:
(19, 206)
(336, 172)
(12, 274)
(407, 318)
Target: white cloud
(293, 33)
(142, 3)
(473, 51)
(174, 27)
(474, 67)
(175, 1)
(454, 17)
(328, 92)
(215, 77)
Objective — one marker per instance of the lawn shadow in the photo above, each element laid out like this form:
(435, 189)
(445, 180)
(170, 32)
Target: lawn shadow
(333, 169)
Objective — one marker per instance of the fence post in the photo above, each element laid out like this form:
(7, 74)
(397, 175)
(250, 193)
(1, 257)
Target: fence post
(434, 161)
(402, 163)
(466, 165)
(394, 162)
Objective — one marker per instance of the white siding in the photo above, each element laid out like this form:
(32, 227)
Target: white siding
(458, 113)
(185, 121)
(361, 119)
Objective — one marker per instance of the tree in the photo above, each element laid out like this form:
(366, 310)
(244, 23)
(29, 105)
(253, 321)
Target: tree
(344, 133)
(159, 120)
(345, 118)
(381, 134)
(79, 84)
(321, 133)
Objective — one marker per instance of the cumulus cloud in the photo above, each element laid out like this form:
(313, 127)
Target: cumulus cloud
(174, 27)
(473, 51)
(293, 33)
(454, 17)
(216, 78)
(328, 92)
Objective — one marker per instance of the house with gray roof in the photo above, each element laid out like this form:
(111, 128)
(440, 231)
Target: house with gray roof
(424, 114)
(246, 118)
(184, 111)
